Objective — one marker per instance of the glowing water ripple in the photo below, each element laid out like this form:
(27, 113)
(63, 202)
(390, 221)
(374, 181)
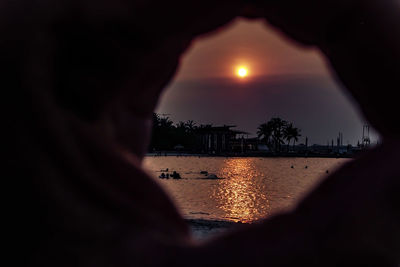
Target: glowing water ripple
(239, 195)
(251, 188)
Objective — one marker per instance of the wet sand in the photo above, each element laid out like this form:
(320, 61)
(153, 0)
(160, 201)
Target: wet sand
(204, 229)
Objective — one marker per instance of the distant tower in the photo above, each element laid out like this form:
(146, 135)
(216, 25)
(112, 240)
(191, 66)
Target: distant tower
(365, 138)
(341, 139)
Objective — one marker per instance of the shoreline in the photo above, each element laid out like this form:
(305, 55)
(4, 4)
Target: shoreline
(202, 229)
(249, 155)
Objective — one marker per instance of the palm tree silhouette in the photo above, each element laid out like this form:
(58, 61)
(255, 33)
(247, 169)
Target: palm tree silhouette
(181, 126)
(290, 133)
(264, 133)
(190, 125)
(278, 125)
(275, 131)
(272, 133)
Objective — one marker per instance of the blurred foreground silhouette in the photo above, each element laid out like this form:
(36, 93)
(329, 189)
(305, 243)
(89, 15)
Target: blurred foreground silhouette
(81, 80)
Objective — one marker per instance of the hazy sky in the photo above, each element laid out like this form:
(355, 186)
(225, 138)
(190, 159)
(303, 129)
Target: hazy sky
(284, 80)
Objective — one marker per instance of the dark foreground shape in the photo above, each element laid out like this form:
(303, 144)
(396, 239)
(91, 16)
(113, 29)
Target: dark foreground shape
(80, 80)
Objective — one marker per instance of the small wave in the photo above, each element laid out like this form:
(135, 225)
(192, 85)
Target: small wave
(199, 212)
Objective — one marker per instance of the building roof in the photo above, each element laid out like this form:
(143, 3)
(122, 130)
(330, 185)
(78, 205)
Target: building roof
(219, 129)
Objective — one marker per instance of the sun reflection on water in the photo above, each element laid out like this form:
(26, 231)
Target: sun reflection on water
(250, 188)
(239, 195)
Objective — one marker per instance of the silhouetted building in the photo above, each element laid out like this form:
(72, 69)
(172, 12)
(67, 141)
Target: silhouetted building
(219, 139)
(252, 144)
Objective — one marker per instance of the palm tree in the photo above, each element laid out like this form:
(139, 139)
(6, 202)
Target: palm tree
(181, 126)
(278, 125)
(296, 134)
(166, 123)
(290, 133)
(264, 133)
(190, 125)
(287, 134)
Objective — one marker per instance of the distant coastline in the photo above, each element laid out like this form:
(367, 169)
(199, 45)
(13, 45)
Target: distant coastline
(249, 154)
(275, 138)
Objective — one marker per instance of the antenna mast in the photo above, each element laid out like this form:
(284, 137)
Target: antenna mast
(366, 141)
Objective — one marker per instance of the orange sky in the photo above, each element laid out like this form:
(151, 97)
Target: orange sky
(248, 43)
(285, 80)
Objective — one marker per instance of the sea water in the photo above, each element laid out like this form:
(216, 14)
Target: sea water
(247, 189)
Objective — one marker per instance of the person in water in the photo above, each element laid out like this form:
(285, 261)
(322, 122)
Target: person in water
(176, 175)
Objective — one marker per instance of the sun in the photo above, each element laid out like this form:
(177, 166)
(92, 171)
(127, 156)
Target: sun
(242, 72)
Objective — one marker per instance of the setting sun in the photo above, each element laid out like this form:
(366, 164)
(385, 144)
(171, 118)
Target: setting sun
(242, 72)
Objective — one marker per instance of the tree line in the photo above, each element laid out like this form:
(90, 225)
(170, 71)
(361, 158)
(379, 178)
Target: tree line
(275, 131)
(167, 135)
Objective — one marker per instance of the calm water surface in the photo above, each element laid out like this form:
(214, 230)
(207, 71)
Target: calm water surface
(250, 188)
